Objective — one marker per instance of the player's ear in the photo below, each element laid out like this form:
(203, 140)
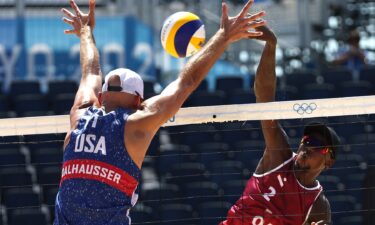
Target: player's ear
(137, 102)
(100, 97)
(328, 163)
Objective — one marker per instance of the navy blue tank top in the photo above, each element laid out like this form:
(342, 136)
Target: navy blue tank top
(99, 179)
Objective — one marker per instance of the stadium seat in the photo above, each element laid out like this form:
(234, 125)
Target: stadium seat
(163, 194)
(222, 171)
(233, 189)
(299, 79)
(4, 104)
(149, 87)
(212, 151)
(348, 163)
(37, 141)
(27, 216)
(367, 74)
(341, 204)
(46, 156)
(213, 212)
(49, 175)
(229, 83)
(171, 154)
(351, 220)
(30, 105)
(24, 87)
(57, 87)
(194, 172)
(332, 185)
(336, 76)
(11, 156)
(62, 103)
(141, 214)
(198, 192)
(20, 197)
(241, 97)
(179, 214)
(287, 93)
(356, 88)
(49, 194)
(249, 152)
(317, 91)
(203, 86)
(203, 98)
(7, 175)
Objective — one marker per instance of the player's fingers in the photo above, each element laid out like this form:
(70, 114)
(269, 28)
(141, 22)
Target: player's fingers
(256, 16)
(92, 6)
(255, 24)
(246, 8)
(68, 21)
(67, 13)
(75, 8)
(253, 33)
(69, 32)
(224, 16)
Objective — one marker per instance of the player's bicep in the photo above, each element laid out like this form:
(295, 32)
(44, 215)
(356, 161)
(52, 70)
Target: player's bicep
(86, 96)
(276, 141)
(158, 109)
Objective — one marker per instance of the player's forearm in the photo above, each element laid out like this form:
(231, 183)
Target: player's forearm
(265, 79)
(200, 64)
(89, 55)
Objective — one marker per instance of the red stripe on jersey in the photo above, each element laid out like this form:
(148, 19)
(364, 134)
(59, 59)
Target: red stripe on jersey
(100, 171)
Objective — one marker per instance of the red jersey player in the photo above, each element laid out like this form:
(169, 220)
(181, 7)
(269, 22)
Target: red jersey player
(284, 189)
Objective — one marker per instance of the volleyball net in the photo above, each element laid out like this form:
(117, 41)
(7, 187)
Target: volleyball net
(199, 162)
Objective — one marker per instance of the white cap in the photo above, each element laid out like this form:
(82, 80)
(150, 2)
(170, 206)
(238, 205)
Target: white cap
(131, 82)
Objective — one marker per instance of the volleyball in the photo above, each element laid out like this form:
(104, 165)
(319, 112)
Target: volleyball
(182, 34)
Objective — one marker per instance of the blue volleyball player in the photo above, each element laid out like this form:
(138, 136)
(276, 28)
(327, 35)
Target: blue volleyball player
(111, 126)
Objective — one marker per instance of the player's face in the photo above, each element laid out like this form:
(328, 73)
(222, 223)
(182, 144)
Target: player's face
(313, 153)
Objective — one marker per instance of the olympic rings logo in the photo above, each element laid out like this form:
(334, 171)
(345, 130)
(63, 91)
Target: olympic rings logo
(305, 108)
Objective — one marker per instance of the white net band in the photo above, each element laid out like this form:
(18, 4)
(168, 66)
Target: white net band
(196, 115)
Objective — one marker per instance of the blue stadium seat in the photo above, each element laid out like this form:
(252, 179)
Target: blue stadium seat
(299, 79)
(24, 87)
(149, 88)
(45, 156)
(4, 104)
(229, 83)
(341, 205)
(213, 212)
(351, 220)
(232, 136)
(332, 185)
(11, 156)
(198, 192)
(249, 152)
(163, 194)
(28, 216)
(233, 189)
(49, 175)
(7, 175)
(212, 151)
(179, 214)
(287, 93)
(348, 163)
(141, 214)
(316, 91)
(367, 74)
(20, 197)
(241, 97)
(336, 76)
(194, 172)
(37, 141)
(203, 98)
(222, 171)
(30, 104)
(356, 88)
(49, 194)
(203, 86)
(62, 103)
(171, 154)
(61, 87)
